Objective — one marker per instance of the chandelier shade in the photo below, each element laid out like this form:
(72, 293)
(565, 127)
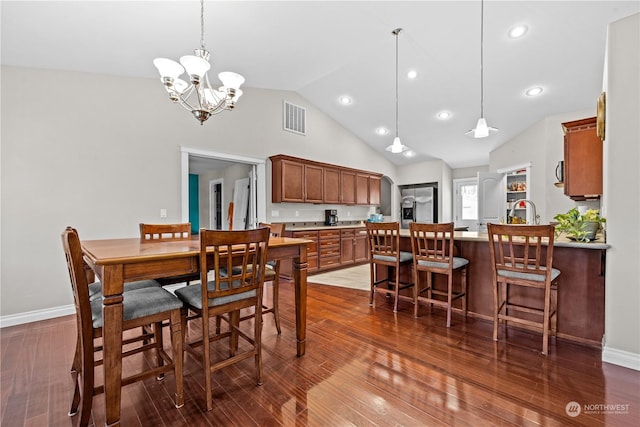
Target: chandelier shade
(196, 94)
(482, 130)
(397, 147)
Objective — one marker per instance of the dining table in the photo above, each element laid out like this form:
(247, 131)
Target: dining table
(116, 261)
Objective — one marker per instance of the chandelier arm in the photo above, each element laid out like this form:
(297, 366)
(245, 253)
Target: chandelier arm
(184, 98)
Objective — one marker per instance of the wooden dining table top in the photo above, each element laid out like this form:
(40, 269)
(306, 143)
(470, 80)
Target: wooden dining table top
(117, 251)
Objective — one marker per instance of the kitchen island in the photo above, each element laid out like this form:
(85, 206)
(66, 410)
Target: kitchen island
(580, 287)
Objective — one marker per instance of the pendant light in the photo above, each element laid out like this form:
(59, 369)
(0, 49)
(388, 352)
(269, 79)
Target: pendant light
(397, 147)
(482, 130)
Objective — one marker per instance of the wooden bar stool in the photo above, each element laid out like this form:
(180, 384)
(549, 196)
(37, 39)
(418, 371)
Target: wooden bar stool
(518, 259)
(384, 247)
(433, 253)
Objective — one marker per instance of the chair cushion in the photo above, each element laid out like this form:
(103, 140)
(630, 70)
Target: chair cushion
(95, 289)
(528, 276)
(191, 295)
(139, 303)
(404, 257)
(457, 263)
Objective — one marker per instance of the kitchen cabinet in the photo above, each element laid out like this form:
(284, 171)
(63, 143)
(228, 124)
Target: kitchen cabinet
(582, 160)
(331, 184)
(347, 187)
(329, 247)
(305, 181)
(516, 189)
(362, 189)
(353, 246)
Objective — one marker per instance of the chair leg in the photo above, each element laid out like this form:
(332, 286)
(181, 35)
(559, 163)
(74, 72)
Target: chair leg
(372, 301)
(545, 321)
(178, 356)
(554, 311)
(496, 308)
(276, 314)
(76, 373)
(159, 345)
(234, 324)
(449, 298)
(416, 292)
(396, 291)
(206, 362)
(258, 346)
(463, 283)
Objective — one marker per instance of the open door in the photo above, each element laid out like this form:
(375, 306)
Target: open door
(241, 192)
(490, 199)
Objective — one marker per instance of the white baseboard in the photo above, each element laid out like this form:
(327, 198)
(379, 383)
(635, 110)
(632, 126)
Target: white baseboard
(621, 358)
(34, 316)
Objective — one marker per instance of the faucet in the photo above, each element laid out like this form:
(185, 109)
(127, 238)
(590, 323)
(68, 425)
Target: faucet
(536, 217)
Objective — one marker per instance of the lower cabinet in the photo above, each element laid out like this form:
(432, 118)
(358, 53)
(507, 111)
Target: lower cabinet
(331, 249)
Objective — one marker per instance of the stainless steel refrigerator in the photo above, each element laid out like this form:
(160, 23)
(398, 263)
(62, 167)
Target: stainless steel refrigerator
(419, 204)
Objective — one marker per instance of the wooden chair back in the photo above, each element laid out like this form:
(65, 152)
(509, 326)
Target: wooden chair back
(384, 241)
(277, 230)
(517, 250)
(237, 259)
(163, 232)
(80, 287)
(433, 245)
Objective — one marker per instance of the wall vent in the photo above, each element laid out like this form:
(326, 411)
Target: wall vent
(295, 118)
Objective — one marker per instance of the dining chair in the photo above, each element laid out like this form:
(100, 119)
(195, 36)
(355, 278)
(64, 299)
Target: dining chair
(433, 253)
(384, 247)
(142, 306)
(522, 256)
(243, 253)
(164, 233)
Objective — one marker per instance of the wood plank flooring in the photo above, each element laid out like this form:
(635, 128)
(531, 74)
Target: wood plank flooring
(363, 367)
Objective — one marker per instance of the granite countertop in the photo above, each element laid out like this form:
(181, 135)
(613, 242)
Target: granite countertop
(562, 241)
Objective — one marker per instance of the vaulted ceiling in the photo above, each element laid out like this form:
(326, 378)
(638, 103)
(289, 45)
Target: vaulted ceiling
(326, 49)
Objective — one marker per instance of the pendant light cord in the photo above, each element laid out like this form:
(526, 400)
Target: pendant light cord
(397, 32)
(481, 58)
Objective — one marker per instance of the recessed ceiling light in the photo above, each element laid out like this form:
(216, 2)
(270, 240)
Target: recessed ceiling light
(382, 131)
(534, 91)
(412, 74)
(444, 115)
(518, 31)
(345, 100)
(409, 153)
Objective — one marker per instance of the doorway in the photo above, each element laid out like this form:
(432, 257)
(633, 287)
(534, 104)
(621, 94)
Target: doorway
(465, 203)
(259, 189)
(215, 203)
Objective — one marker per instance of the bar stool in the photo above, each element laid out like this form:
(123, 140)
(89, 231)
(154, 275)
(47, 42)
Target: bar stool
(517, 259)
(432, 246)
(384, 247)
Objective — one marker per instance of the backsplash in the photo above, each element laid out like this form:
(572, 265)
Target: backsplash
(300, 213)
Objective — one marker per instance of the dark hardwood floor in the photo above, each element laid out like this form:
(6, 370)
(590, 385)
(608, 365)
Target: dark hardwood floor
(362, 367)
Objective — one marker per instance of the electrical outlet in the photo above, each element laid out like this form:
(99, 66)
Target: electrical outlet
(348, 213)
(297, 213)
(163, 213)
(275, 214)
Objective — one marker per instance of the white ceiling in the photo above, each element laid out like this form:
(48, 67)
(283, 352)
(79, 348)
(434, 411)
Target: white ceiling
(325, 49)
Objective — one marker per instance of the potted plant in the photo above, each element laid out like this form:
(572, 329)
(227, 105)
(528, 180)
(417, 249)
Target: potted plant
(579, 227)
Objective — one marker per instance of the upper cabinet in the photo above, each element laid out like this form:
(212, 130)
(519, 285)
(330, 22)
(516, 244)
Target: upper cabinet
(304, 181)
(582, 160)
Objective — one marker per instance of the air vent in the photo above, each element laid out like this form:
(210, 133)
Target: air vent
(295, 118)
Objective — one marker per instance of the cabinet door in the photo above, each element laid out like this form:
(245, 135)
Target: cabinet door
(348, 187)
(582, 160)
(346, 247)
(292, 181)
(374, 190)
(360, 252)
(313, 183)
(362, 189)
(331, 186)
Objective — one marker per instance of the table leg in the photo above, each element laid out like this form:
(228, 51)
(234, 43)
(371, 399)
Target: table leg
(112, 285)
(300, 285)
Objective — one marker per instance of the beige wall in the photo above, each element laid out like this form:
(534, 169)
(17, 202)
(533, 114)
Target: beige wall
(622, 193)
(102, 153)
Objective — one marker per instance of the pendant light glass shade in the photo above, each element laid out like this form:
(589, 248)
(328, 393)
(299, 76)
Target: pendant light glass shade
(397, 146)
(482, 130)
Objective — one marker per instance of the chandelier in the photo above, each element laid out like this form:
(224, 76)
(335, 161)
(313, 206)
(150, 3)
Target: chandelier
(397, 146)
(199, 96)
(482, 130)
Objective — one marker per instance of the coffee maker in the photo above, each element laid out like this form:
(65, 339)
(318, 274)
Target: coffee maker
(331, 217)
